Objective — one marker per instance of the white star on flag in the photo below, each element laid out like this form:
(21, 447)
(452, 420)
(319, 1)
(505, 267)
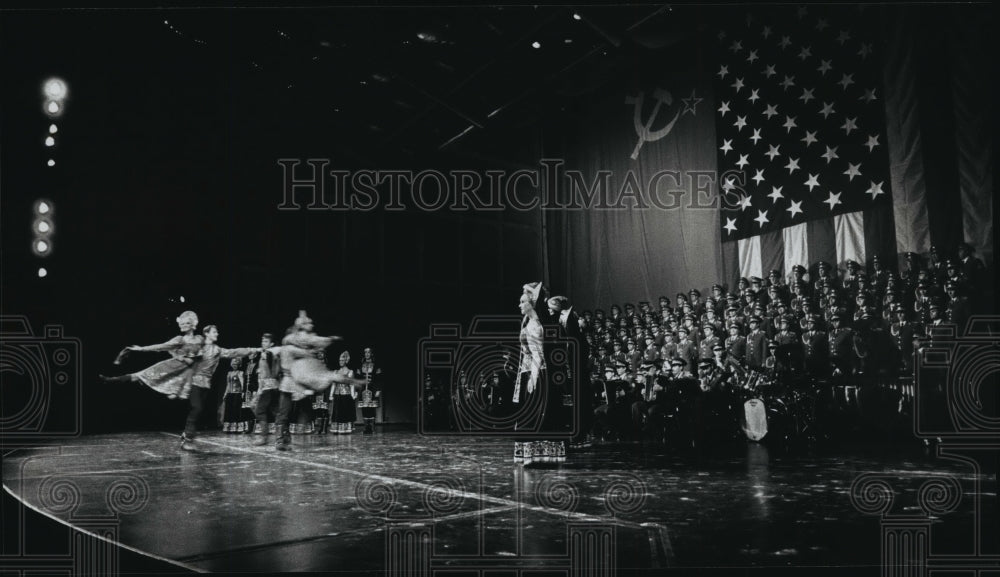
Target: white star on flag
(821, 24)
(745, 203)
(729, 184)
(802, 12)
(833, 200)
(738, 84)
(875, 189)
(759, 177)
(810, 138)
(761, 218)
(844, 37)
(756, 135)
(824, 67)
(785, 41)
(813, 182)
(752, 57)
(827, 109)
(724, 108)
(804, 53)
(766, 32)
(741, 121)
(793, 165)
(727, 145)
(830, 154)
(866, 49)
(753, 96)
(769, 70)
(723, 71)
(849, 125)
(736, 46)
(846, 80)
(775, 195)
(788, 82)
(872, 142)
(807, 95)
(852, 171)
(789, 123)
(868, 96)
(795, 208)
(770, 111)
(721, 34)
(772, 151)
(743, 161)
(730, 225)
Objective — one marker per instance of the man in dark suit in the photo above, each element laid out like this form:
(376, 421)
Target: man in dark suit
(569, 329)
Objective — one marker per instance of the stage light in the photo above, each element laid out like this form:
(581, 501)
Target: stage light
(43, 207)
(182, 298)
(53, 129)
(41, 247)
(536, 45)
(49, 141)
(55, 89)
(42, 273)
(43, 226)
(52, 108)
(576, 16)
(51, 162)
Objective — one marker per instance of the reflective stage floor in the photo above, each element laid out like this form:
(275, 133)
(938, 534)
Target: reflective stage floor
(399, 503)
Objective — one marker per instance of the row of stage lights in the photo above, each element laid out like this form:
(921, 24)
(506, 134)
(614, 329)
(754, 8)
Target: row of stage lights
(54, 94)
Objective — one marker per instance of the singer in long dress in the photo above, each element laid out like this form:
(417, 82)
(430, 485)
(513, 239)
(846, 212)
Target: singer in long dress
(532, 362)
(171, 377)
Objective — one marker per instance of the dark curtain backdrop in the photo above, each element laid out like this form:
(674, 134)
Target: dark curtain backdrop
(600, 256)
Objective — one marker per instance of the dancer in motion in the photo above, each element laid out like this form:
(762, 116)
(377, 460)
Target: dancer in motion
(302, 372)
(171, 377)
(201, 382)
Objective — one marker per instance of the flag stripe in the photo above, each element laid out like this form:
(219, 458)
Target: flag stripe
(822, 241)
(796, 243)
(879, 237)
(750, 257)
(731, 262)
(850, 231)
(772, 252)
(973, 135)
(903, 140)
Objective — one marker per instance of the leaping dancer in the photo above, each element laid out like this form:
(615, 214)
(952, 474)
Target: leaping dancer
(303, 373)
(172, 376)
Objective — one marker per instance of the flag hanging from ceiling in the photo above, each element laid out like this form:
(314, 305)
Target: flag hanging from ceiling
(800, 125)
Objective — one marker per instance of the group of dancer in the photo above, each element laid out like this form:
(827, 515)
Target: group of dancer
(286, 373)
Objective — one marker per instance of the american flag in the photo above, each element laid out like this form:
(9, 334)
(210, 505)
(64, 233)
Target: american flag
(801, 141)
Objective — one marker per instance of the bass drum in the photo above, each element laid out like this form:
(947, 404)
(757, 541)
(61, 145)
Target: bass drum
(753, 420)
(761, 418)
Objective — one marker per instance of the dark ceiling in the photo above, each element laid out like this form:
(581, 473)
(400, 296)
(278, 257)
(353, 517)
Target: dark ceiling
(413, 80)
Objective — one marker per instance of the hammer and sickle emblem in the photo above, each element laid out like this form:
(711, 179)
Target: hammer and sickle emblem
(643, 129)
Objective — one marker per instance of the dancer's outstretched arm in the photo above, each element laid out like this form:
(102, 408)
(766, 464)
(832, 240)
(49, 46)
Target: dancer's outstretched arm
(172, 344)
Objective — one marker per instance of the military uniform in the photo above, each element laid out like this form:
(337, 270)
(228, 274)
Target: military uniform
(841, 348)
(756, 345)
(815, 349)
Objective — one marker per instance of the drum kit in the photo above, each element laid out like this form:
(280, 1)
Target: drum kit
(773, 411)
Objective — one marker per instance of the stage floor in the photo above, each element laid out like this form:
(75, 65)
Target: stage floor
(364, 504)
